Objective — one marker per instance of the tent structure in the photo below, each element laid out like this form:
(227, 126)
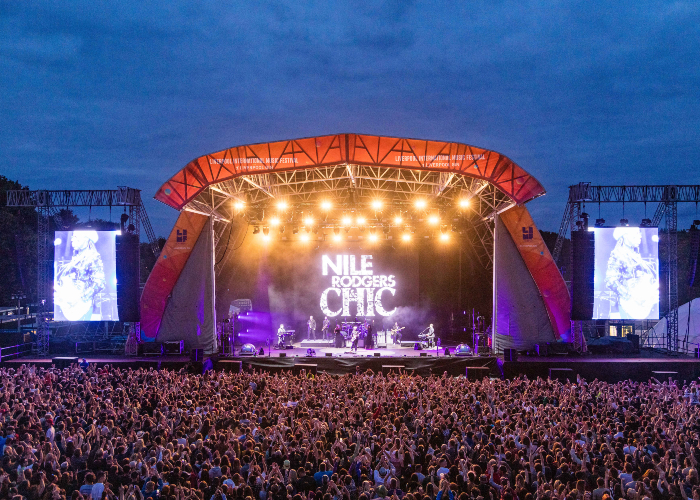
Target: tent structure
(688, 328)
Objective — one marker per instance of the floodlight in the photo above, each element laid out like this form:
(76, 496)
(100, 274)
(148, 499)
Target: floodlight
(336, 237)
(377, 204)
(238, 205)
(361, 221)
(256, 229)
(347, 221)
(336, 230)
(433, 219)
(282, 205)
(326, 205)
(274, 221)
(464, 203)
(308, 221)
(398, 220)
(420, 204)
(373, 237)
(444, 236)
(304, 237)
(406, 236)
(266, 230)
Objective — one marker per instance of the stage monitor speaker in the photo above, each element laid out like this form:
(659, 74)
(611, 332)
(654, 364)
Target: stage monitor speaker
(283, 355)
(634, 338)
(423, 354)
(510, 355)
(329, 354)
(197, 355)
(583, 270)
(150, 348)
(128, 265)
(174, 347)
(377, 354)
(542, 350)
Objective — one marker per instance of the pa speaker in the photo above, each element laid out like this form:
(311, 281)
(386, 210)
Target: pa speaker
(583, 270)
(510, 354)
(128, 270)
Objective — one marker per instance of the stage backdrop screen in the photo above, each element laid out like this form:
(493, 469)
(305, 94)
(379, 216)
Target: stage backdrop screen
(626, 282)
(85, 277)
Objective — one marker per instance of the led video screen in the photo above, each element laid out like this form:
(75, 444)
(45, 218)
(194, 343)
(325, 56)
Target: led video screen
(85, 277)
(626, 280)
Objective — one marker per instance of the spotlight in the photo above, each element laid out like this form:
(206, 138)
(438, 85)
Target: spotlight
(361, 221)
(377, 204)
(307, 228)
(326, 205)
(308, 221)
(443, 229)
(398, 220)
(256, 229)
(386, 229)
(420, 204)
(315, 230)
(304, 237)
(406, 236)
(599, 222)
(274, 221)
(433, 219)
(266, 238)
(454, 228)
(373, 237)
(336, 230)
(266, 230)
(281, 229)
(347, 221)
(463, 203)
(337, 237)
(282, 205)
(238, 205)
(372, 230)
(646, 222)
(295, 229)
(624, 222)
(444, 237)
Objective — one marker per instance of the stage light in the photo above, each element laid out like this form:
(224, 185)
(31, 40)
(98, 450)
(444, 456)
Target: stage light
(347, 221)
(433, 219)
(238, 205)
(361, 221)
(337, 237)
(599, 222)
(304, 237)
(336, 230)
(406, 236)
(463, 203)
(315, 230)
(443, 229)
(373, 237)
(420, 204)
(256, 229)
(646, 222)
(444, 237)
(274, 221)
(377, 204)
(281, 229)
(326, 205)
(282, 205)
(624, 222)
(308, 221)
(266, 230)
(295, 229)
(266, 238)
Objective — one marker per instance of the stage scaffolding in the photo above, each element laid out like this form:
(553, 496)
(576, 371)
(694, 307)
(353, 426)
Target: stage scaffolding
(667, 198)
(48, 204)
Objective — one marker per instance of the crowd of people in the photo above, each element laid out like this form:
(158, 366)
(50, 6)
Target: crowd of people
(109, 433)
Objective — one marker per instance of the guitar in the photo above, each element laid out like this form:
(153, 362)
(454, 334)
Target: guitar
(643, 296)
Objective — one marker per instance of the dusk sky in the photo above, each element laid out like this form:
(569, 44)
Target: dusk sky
(126, 93)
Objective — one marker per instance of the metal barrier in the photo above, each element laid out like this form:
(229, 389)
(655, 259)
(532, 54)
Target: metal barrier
(15, 351)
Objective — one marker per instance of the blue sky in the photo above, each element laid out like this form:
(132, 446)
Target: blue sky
(126, 93)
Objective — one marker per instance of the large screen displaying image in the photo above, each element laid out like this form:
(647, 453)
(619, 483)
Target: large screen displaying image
(626, 282)
(85, 277)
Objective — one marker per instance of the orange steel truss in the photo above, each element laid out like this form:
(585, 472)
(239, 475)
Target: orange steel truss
(349, 149)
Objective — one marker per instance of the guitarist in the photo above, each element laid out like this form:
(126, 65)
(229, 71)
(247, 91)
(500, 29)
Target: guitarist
(396, 331)
(355, 339)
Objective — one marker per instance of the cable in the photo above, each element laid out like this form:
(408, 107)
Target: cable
(229, 241)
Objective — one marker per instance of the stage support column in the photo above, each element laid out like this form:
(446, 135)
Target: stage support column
(213, 281)
(494, 305)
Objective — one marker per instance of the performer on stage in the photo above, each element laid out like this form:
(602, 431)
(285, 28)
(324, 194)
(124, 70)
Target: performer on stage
(312, 328)
(355, 339)
(369, 336)
(396, 331)
(326, 327)
(338, 334)
(430, 336)
(280, 336)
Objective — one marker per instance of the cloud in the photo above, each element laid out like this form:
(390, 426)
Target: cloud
(105, 94)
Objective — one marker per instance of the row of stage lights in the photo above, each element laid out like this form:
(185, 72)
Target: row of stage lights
(347, 221)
